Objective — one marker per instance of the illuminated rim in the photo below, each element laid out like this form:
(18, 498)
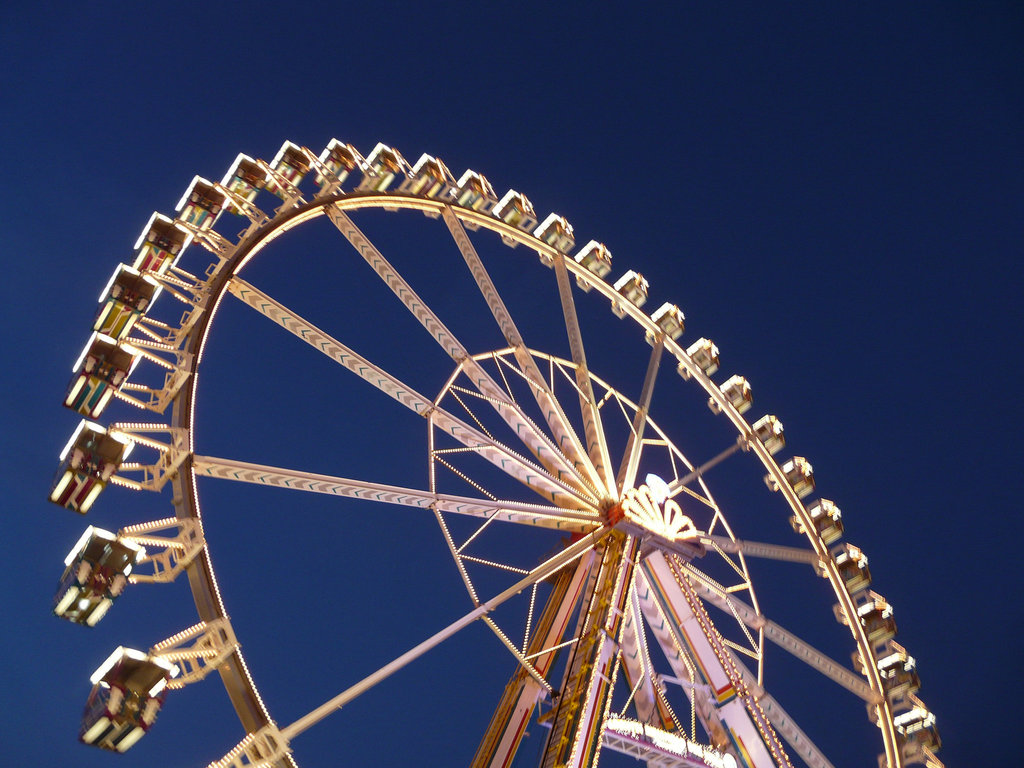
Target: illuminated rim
(237, 680)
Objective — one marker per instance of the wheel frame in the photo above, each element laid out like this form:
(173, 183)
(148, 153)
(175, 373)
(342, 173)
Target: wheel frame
(238, 682)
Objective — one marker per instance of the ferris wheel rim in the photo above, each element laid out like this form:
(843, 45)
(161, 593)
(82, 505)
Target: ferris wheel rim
(315, 208)
(206, 595)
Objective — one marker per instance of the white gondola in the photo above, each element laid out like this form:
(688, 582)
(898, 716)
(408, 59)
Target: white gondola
(737, 391)
(127, 296)
(515, 209)
(244, 178)
(288, 168)
(382, 166)
(826, 519)
(474, 191)
(596, 258)
(430, 177)
(852, 564)
(876, 616)
(916, 733)
(102, 368)
(670, 319)
(128, 691)
(96, 572)
(768, 429)
(340, 159)
(799, 474)
(898, 671)
(633, 287)
(201, 205)
(88, 462)
(704, 354)
(556, 231)
(160, 244)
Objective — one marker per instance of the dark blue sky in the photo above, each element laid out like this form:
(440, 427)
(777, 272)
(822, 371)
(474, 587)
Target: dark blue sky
(832, 194)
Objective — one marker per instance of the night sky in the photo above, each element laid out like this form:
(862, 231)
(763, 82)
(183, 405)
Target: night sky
(832, 194)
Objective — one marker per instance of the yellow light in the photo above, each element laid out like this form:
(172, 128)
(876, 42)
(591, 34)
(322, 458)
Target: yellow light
(99, 612)
(82, 425)
(669, 521)
(126, 743)
(79, 383)
(101, 725)
(62, 606)
(104, 399)
(90, 497)
(110, 661)
(59, 488)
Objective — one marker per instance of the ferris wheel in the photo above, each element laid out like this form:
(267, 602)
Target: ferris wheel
(568, 444)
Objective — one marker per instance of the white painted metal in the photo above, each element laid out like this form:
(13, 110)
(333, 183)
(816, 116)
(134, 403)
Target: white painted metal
(637, 662)
(577, 481)
(263, 748)
(760, 549)
(539, 444)
(166, 556)
(597, 445)
(678, 485)
(508, 511)
(170, 455)
(661, 749)
(748, 730)
(786, 727)
(565, 435)
(542, 571)
(713, 593)
(198, 650)
(627, 469)
(555, 489)
(501, 740)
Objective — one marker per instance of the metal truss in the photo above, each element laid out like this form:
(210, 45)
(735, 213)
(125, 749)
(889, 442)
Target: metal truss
(166, 555)
(198, 650)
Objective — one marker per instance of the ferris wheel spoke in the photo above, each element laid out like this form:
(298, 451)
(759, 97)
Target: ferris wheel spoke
(627, 469)
(783, 723)
(327, 345)
(711, 592)
(597, 444)
(548, 568)
(537, 478)
(559, 425)
(552, 458)
(536, 515)
(398, 285)
(760, 549)
(678, 485)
